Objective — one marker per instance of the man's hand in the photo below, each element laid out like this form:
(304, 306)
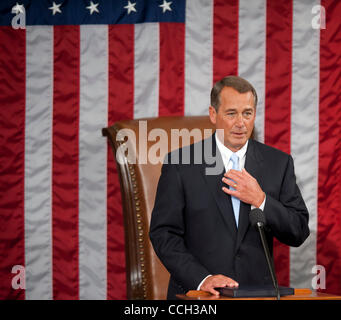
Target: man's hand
(217, 281)
(246, 187)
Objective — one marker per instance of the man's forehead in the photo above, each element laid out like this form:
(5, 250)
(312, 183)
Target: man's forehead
(230, 94)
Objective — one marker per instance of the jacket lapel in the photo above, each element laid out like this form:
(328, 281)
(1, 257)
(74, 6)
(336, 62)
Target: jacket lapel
(213, 172)
(253, 163)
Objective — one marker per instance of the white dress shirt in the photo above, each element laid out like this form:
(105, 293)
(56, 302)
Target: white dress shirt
(226, 155)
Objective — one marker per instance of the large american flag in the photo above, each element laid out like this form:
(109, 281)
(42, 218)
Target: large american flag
(80, 65)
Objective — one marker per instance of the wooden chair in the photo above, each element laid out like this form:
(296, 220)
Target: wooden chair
(147, 278)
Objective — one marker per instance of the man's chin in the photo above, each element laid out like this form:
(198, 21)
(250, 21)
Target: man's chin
(235, 145)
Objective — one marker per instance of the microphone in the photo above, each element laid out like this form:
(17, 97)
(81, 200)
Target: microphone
(257, 219)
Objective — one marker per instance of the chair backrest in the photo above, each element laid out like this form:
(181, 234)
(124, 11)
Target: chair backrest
(147, 278)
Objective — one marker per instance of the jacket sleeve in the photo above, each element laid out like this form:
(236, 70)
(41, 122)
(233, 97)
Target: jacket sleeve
(167, 231)
(287, 217)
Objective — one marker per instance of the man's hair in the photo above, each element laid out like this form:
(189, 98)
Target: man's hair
(235, 82)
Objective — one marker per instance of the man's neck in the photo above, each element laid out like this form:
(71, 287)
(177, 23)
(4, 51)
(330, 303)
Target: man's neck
(222, 146)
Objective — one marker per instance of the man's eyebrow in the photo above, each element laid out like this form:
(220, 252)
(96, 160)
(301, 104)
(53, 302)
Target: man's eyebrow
(235, 109)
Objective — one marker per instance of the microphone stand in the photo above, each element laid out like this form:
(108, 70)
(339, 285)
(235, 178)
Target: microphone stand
(268, 258)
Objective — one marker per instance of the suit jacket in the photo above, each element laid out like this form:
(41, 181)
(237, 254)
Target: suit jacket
(193, 229)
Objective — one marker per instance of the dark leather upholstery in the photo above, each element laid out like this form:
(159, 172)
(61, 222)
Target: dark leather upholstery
(147, 278)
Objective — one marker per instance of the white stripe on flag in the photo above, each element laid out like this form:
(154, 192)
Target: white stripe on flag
(146, 74)
(198, 56)
(305, 123)
(38, 162)
(252, 53)
(93, 162)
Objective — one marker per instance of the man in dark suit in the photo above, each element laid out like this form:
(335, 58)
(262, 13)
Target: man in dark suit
(200, 226)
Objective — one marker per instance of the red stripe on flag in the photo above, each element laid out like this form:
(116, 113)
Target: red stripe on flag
(172, 69)
(12, 166)
(278, 99)
(329, 190)
(65, 162)
(225, 39)
(121, 106)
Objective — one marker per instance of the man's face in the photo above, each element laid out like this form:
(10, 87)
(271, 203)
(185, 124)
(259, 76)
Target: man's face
(236, 115)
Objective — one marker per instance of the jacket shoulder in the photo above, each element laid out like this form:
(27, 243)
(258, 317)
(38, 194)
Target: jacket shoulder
(266, 150)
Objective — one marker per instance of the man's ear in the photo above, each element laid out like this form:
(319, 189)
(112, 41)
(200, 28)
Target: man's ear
(213, 114)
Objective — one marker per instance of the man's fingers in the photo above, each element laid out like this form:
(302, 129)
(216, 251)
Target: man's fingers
(238, 176)
(230, 182)
(234, 175)
(231, 283)
(231, 192)
(221, 282)
(217, 281)
(214, 292)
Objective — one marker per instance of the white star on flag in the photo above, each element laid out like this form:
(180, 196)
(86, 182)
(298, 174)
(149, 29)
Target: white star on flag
(55, 8)
(18, 8)
(130, 7)
(93, 7)
(165, 6)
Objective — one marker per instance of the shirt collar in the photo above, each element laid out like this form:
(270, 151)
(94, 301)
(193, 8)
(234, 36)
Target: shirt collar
(226, 152)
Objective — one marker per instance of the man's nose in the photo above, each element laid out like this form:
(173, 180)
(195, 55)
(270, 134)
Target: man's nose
(240, 120)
